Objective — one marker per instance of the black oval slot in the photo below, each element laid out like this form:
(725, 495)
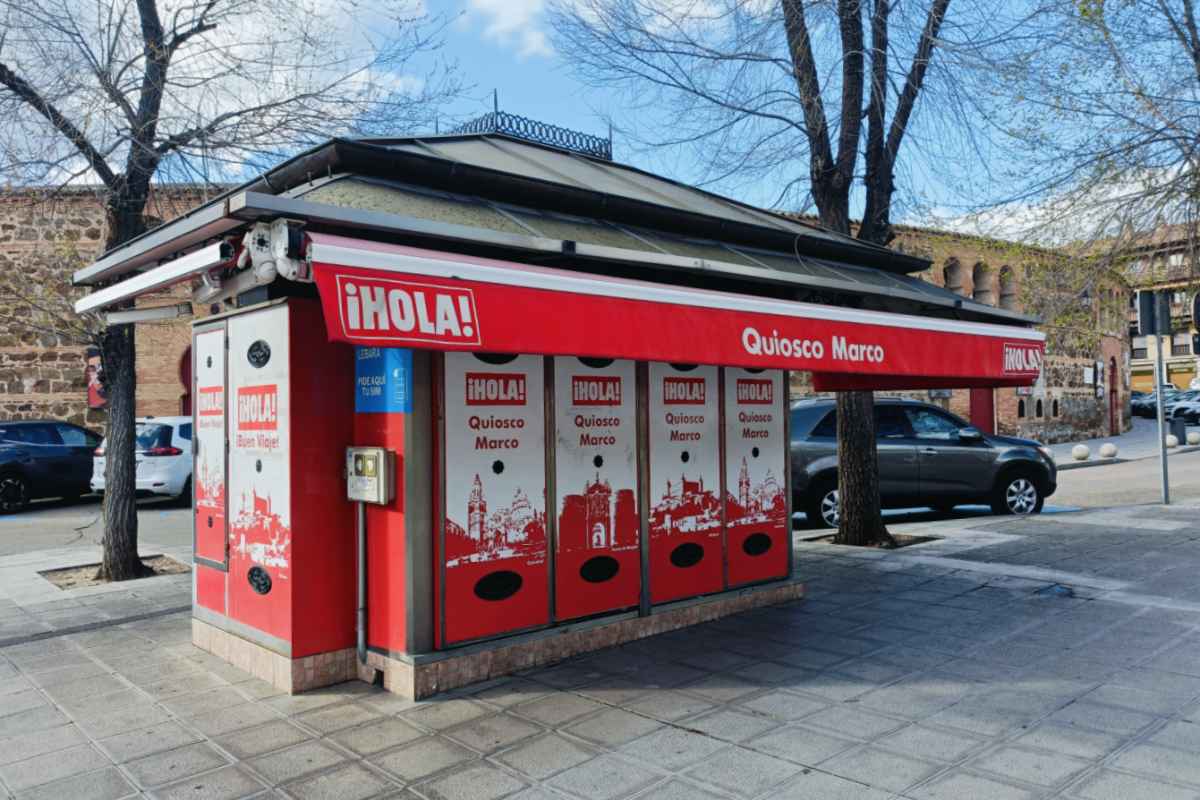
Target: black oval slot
(498, 585)
(595, 363)
(599, 569)
(688, 554)
(496, 358)
(756, 544)
(260, 580)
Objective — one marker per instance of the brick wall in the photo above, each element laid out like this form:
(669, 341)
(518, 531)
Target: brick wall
(43, 239)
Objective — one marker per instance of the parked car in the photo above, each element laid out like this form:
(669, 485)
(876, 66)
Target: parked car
(1148, 405)
(43, 458)
(164, 458)
(1178, 398)
(927, 457)
(1187, 409)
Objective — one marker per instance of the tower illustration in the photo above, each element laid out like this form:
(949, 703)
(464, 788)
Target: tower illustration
(744, 486)
(476, 512)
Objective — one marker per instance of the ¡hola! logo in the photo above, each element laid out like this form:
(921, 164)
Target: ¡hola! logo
(495, 389)
(376, 308)
(258, 408)
(210, 401)
(1022, 358)
(595, 390)
(755, 391)
(684, 391)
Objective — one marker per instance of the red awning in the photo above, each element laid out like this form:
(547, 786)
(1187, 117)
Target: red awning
(386, 295)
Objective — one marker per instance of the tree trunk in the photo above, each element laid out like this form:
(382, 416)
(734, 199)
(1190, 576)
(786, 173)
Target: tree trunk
(121, 561)
(859, 519)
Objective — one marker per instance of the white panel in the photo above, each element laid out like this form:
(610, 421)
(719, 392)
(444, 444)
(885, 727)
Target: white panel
(684, 450)
(209, 437)
(259, 496)
(755, 450)
(596, 454)
(495, 459)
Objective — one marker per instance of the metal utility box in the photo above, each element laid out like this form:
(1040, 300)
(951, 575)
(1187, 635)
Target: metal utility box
(370, 475)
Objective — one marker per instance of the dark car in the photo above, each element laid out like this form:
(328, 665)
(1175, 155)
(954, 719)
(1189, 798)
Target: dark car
(43, 458)
(927, 457)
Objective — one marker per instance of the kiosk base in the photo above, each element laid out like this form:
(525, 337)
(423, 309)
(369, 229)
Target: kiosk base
(420, 676)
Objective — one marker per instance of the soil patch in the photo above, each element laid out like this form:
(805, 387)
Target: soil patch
(902, 540)
(85, 574)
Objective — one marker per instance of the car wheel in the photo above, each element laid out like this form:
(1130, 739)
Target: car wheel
(822, 507)
(184, 498)
(14, 493)
(1019, 494)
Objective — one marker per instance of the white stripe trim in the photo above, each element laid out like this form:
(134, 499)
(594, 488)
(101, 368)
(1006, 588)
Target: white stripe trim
(601, 286)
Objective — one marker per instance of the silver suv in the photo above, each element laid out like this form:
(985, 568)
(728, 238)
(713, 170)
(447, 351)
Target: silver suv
(927, 457)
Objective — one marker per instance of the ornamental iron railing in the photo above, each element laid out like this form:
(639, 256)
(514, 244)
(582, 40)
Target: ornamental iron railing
(539, 132)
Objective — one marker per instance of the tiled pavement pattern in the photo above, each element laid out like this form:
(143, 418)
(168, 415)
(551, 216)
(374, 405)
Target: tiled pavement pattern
(31, 606)
(925, 673)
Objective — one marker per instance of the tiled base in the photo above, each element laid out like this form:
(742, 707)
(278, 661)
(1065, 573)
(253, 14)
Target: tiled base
(288, 674)
(421, 676)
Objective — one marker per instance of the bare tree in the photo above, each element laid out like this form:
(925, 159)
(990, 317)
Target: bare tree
(125, 93)
(757, 87)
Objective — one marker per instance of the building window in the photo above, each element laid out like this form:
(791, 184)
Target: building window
(1020, 409)
(1039, 409)
(1181, 344)
(1054, 408)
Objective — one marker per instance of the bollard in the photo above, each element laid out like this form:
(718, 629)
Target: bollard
(1080, 452)
(1108, 450)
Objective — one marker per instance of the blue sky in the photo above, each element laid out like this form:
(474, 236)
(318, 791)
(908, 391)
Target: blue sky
(505, 45)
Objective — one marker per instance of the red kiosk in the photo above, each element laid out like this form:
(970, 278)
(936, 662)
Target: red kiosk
(471, 403)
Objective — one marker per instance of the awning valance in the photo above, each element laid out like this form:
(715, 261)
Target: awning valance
(388, 295)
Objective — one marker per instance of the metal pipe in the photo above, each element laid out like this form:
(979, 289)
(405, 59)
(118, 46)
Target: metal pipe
(1160, 380)
(361, 626)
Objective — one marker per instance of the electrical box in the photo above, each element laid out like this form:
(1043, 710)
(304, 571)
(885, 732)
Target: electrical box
(370, 475)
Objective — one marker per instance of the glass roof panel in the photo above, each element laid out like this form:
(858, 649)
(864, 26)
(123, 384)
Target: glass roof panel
(697, 248)
(369, 196)
(554, 226)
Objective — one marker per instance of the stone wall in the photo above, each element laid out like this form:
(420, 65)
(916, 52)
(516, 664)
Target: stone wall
(44, 237)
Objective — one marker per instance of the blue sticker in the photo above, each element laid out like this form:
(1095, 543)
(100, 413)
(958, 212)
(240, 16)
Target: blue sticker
(383, 380)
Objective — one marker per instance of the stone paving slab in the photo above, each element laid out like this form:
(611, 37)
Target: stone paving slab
(1006, 659)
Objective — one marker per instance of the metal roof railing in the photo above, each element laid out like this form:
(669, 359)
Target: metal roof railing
(531, 130)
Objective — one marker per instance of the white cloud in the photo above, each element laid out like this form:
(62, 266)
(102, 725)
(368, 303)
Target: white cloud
(514, 23)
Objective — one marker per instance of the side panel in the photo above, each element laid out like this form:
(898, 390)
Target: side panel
(685, 482)
(756, 524)
(597, 559)
(321, 425)
(494, 546)
(260, 528)
(208, 473)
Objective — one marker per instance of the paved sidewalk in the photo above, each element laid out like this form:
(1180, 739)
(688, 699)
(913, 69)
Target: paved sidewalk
(32, 607)
(1139, 442)
(1049, 657)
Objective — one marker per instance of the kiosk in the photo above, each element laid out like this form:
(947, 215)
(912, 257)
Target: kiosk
(469, 404)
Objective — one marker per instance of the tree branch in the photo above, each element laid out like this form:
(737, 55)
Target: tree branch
(21, 88)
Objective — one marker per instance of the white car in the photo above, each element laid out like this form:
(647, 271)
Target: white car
(1188, 410)
(164, 458)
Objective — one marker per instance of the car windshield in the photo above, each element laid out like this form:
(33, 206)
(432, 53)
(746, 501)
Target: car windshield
(151, 435)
